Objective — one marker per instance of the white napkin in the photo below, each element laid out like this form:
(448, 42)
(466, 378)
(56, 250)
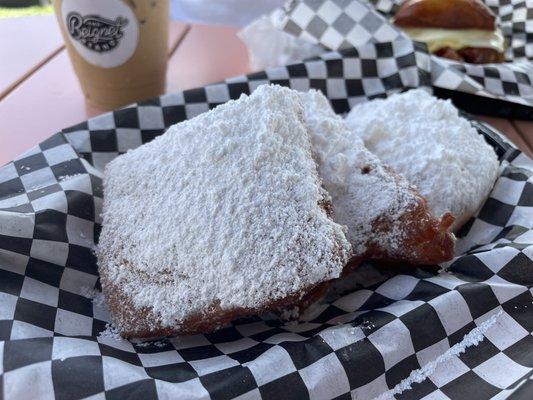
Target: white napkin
(269, 46)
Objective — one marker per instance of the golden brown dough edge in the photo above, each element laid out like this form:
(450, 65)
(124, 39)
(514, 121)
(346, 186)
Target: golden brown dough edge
(426, 238)
(135, 322)
(449, 14)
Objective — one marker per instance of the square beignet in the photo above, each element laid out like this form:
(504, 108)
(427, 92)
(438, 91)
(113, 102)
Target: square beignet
(222, 216)
(387, 218)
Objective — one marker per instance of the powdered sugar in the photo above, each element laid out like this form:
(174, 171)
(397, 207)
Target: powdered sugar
(472, 338)
(110, 332)
(148, 343)
(361, 189)
(222, 209)
(426, 140)
(67, 177)
(96, 296)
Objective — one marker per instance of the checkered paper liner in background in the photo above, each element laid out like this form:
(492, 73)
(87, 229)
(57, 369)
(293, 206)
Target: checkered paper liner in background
(341, 24)
(359, 346)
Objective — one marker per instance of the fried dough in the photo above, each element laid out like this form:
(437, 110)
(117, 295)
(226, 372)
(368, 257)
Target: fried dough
(387, 218)
(222, 216)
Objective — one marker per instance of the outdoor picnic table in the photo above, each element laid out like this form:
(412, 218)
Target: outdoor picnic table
(40, 94)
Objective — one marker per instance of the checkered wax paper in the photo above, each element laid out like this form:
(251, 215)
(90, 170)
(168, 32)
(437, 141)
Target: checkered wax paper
(340, 24)
(463, 330)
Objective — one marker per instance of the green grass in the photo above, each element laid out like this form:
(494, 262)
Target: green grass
(6, 12)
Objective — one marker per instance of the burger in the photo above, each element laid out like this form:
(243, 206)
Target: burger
(461, 30)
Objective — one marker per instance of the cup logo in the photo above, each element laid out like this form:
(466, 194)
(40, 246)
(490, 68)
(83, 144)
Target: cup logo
(104, 33)
(96, 33)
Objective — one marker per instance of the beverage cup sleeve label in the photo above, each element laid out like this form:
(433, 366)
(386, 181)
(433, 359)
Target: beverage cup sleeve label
(103, 32)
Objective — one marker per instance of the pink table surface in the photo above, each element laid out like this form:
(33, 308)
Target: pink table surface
(25, 45)
(40, 94)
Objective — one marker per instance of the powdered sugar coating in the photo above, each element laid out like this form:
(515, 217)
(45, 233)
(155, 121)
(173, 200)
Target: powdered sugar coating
(362, 190)
(225, 208)
(438, 151)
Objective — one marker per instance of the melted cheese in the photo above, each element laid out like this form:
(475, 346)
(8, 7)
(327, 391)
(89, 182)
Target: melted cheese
(437, 38)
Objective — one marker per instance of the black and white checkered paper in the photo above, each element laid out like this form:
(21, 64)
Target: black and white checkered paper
(342, 24)
(363, 345)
